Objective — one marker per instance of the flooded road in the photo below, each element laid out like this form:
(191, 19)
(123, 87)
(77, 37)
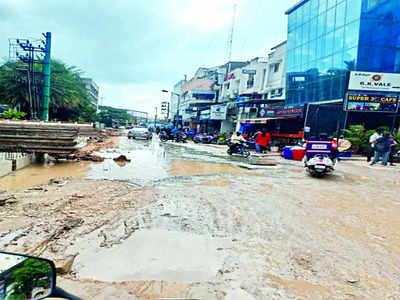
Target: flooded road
(189, 221)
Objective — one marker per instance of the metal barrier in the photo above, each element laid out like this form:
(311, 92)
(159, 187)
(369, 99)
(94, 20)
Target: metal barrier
(12, 155)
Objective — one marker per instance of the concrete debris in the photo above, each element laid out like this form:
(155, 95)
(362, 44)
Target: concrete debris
(121, 158)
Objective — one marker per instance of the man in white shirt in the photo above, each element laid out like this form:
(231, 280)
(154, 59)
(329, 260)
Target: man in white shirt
(372, 140)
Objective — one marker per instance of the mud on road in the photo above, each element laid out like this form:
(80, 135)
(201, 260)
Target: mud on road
(212, 230)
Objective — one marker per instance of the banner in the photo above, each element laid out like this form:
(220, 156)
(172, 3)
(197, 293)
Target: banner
(370, 102)
(378, 82)
(218, 112)
(294, 111)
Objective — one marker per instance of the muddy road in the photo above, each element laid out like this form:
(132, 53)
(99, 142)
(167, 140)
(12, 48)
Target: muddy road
(186, 221)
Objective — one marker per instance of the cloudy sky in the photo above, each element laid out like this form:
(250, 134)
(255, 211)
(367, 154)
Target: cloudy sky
(135, 48)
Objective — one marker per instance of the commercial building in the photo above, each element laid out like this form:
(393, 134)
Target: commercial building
(175, 100)
(93, 90)
(138, 117)
(329, 38)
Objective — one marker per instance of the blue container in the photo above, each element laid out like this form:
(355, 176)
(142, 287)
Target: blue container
(287, 152)
(345, 154)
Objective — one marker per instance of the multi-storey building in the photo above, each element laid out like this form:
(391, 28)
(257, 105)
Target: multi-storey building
(327, 38)
(93, 90)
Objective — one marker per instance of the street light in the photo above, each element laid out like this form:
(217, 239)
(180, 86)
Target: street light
(176, 118)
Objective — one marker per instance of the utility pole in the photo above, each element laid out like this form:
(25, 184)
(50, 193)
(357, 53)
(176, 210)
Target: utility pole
(230, 41)
(30, 52)
(155, 117)
(46, 78)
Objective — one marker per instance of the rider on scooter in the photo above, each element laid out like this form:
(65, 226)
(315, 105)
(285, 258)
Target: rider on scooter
(237, 140)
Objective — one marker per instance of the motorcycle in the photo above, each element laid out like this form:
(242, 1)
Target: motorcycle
(319, 159)
(242, 149)
(166, 136)
(27, 277)
(181, 137)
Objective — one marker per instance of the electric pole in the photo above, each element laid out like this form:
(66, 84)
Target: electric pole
(46, 78)
(31, 52)
(230, 40)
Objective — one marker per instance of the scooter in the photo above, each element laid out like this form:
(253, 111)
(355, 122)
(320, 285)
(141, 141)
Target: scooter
(166, 136)
(181, 137)
(319, 159)
(242, 149)
(26, 277)
(319, 165)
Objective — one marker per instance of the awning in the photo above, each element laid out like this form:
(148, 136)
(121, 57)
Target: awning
(264, 120)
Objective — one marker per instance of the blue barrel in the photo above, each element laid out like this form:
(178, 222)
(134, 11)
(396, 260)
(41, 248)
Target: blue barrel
(287, 152)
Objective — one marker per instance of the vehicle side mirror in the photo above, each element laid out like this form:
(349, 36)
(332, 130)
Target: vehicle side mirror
(24, 277)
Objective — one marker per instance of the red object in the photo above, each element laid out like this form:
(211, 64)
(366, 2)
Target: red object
(263, 140)
(334, 144)
(288, 135)
(298, 154)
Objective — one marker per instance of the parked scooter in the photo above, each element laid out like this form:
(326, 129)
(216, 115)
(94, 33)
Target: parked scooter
(241, 149)
(166, 135)
(320, 157)
(26, 277)
(181, 137)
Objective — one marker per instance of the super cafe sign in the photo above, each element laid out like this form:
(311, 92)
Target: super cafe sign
(367, 81)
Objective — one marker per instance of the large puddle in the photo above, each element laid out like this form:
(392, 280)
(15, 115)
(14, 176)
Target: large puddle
(149, 162)
(182, 168)
(41, 174)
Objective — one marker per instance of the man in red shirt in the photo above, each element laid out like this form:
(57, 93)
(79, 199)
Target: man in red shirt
(262, 140)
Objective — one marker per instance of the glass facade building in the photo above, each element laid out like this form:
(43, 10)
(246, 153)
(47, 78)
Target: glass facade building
(328, 38)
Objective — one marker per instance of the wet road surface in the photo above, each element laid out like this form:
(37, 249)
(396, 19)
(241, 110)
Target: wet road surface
(203, 225)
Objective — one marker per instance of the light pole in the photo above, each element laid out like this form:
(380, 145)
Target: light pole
(176, 118)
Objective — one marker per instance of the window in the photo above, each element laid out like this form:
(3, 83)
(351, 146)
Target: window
(353, 10)
(351, 35)
(250, 81)
(340, 14)
(263, 79)
(276, 67)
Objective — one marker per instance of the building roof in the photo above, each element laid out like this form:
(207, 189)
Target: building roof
(296, 6)
(277, 46)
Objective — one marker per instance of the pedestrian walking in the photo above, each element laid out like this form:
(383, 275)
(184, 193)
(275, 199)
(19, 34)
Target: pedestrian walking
(262, 140)
(392, 144)
(372, 140)
(382, 149)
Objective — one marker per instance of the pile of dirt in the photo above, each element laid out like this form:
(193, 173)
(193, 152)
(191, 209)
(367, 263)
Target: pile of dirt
(95, 144)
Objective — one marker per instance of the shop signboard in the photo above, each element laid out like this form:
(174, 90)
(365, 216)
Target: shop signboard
(249, 72)
(378, 82)
(218, 112)
(266, 112)
(296, 111)
(372, 102)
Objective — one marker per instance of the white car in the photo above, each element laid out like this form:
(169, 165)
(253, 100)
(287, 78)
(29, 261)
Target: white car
(140, 133)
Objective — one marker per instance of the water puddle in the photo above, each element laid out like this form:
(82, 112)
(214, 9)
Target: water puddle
(217, 182)
(41, 174)
(182, 168)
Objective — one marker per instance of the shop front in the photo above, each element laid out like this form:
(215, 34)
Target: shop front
(285, 124)
(372, 100)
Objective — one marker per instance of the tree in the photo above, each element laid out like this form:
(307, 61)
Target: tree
(69, 99)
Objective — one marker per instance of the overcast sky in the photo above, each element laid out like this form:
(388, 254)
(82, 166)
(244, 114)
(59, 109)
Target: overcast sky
(135, 48)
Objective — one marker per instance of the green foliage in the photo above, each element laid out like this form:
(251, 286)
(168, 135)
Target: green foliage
(358, 137)
(69, 99)
(34, 273)
(13, 114)
(108, 114)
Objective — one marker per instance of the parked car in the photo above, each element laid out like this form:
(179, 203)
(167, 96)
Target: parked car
(140, 133)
